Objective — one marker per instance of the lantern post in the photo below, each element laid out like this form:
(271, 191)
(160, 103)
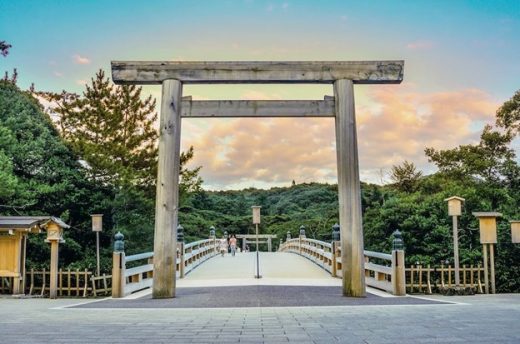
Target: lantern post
(54, 237)
(256, 222)
(454, 210)
(97, 226)
(488, 237)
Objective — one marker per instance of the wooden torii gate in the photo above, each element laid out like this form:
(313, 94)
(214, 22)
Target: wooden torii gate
(342, 74)
(267, 239)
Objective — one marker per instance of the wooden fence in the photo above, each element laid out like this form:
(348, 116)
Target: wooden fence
(6, 285)
(74, 283)
(426, 279)
(382, 271)
(70, 282)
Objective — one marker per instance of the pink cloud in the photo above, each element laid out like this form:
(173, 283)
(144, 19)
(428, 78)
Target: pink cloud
(420, 45)
(78, 59)
(395, 123)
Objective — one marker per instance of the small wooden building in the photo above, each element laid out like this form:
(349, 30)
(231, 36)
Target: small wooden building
(13, 241)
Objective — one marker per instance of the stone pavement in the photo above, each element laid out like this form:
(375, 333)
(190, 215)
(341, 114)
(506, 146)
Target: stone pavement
(481, 319)
(255, 296)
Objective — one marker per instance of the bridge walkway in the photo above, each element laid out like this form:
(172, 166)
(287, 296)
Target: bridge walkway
(276, 268)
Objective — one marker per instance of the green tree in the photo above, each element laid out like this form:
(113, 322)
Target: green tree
(492, 159)
(405, 176)
(111, 128)
(508, 115)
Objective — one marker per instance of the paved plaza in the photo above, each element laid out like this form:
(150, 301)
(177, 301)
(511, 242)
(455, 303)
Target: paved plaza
(480, 319)
(234, 307)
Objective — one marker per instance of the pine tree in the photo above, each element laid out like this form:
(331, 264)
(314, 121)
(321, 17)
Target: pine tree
(112, 129)
(405, 176)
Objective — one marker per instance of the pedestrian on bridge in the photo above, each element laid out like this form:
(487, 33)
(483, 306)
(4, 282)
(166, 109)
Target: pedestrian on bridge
(223, 246)
(233, 244)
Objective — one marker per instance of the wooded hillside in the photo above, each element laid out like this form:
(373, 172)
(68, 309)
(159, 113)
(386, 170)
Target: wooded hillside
(40, 174)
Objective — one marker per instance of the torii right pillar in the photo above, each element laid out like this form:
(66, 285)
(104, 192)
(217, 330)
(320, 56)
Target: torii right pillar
(349, 191)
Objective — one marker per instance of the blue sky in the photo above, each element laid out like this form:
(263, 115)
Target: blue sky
(463, 53)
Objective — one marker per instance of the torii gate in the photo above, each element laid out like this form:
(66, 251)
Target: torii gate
(342, 74)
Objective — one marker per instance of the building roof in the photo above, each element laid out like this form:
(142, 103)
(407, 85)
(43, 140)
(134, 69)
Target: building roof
(455, 197)
(28, 222)
(487, 214)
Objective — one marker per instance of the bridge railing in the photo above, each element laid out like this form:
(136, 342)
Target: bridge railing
(382, 271)
(127, 280)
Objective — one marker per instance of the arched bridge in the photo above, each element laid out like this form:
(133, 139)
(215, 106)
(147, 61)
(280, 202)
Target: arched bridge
(299, 261)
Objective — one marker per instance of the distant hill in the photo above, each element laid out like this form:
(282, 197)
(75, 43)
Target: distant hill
(284, 209)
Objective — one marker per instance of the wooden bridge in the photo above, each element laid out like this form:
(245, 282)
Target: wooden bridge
(299, 261)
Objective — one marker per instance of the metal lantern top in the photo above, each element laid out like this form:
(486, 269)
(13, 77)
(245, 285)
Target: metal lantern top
(180, 233)
(288, 235)
(97, 222)
(256, 214)
(488, 226)
(302, 230)
(455, 205)
(336, 232)
(119, 244)
(397, 243)
(212, 231)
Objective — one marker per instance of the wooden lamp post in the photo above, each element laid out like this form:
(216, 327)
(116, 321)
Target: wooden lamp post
(488, 237)
(256, 222)
(97, 226)
(454, 210)
(54, 236)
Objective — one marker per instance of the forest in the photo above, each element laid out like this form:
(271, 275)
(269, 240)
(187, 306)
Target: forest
(96, 152)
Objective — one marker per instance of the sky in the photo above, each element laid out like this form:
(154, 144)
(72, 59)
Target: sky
(462, 60)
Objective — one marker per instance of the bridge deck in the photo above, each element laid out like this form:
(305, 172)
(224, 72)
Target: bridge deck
(275, 267)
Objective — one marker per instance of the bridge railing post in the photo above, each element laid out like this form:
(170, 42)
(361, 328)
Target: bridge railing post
(301, 237)
(118, 266)
(213, 236)
(398, 265)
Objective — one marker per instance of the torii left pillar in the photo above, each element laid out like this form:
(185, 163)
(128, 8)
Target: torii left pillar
(167, 199)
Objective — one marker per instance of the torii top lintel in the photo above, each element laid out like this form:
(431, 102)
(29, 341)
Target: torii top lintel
(259, 72)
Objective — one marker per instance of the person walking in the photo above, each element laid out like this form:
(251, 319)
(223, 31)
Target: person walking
(223, 246)
(233, 244)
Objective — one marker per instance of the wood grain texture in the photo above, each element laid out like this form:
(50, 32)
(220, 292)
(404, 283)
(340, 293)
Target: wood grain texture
(195, 72)
(167, 198)
(258, 108)
(53, 286)
(349, 191)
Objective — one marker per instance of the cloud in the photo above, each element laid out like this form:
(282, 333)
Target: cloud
(81, 82)
(420, 45)
(78, 59)
(57, 74)
(407, 121)
(394, 123)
